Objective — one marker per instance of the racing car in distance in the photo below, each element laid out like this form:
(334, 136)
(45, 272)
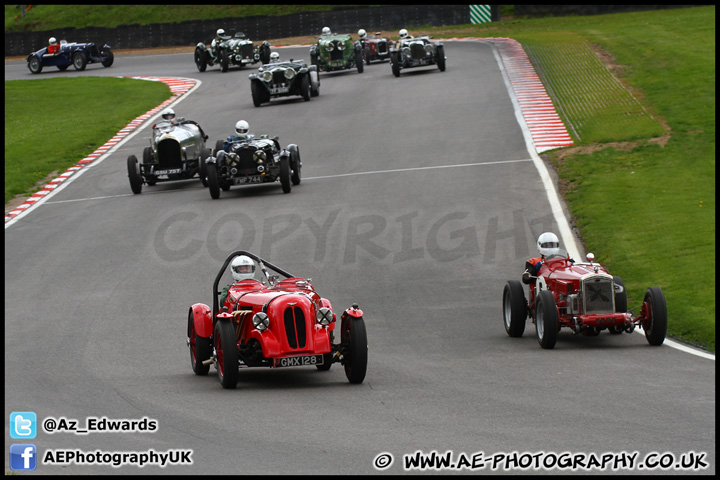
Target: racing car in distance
(375, 47)
(583, 297)
(238, 50)
(337, 52)
(252, 161)
(177, 152)
(282, 79)
(413, 52)
(76, 54)
(277, 322)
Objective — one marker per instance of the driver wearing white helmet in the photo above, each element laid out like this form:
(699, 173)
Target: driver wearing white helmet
(219, 37)
(326, 31)
(242, 268)
(241, 135)
(53, 46)
(362, 34)
(547, 245)
(274, 57)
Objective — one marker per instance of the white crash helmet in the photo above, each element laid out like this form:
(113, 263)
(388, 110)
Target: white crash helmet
(52, 41)
(548, 244)
(242, 268)
(362, 33)
(403, 33)
(274, 57)
(326, 31)
(168, 114)
(220, 32)
(242, 127)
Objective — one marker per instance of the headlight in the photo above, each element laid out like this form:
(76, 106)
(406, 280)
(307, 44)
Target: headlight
(267, 76)
(261, 321)
(289, 73)
(406, 51)
(259, 156)
(324, 316)
(341, 46)
(428, 48)
(330, 46)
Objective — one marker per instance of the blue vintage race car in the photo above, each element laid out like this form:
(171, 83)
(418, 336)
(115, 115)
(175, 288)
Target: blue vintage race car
(76, 54)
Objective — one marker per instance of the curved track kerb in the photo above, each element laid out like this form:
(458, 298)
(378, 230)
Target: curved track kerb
(178, 87)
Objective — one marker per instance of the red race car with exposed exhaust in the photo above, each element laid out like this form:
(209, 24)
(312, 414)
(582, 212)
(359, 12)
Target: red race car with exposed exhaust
(277, 322)
(583, 297)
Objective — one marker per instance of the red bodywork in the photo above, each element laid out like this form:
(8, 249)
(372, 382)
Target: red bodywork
(375, 47)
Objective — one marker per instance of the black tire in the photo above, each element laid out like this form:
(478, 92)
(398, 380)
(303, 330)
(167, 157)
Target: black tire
(212, 180)
(314, 84)
(546, 320)
(79, 61)
(514, 308)
(305, 87)
(35, 65)
(359, 62)
(200, 59)
(367, 55)
(395, 63)
(354, 338)
(134, 174)
(109, 57)
(219, 146)
(256, 93)
(295, 164)
(655, 325)
(285, 175)
(226, 353)
(62, 68)
(147, 160)
(441, 58)
(264, 54)
(205, 153)
(200, 349)
(224, 60)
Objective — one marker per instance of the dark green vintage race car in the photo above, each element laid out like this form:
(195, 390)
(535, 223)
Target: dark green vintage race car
(226, 50)
(337, 52)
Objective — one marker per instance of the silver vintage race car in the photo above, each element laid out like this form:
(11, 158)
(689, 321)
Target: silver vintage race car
(177, 152)
(282, 79)
(416, 52)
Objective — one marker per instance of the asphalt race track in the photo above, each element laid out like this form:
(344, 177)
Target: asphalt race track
(418, 201)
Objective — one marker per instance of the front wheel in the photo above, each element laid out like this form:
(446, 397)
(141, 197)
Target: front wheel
(212, 180)
(546, 320)
(134, 174)
(205, 153)
(441, 58)
(200, 59)
(224, 60)
(35, 65)
(79, 61)
(200, 348)
(355, 341)
(395, 64)
(295, 164)
(655, 308)
(514, 308)
(108, 57)
(256, 94)
(147, 160)
(359, 62)
(305, 87)
(226, 353)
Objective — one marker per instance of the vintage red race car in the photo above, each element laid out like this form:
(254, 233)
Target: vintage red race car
(277, 322)
(583, 297)
(375, 47)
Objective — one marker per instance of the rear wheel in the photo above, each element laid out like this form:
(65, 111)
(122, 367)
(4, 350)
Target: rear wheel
(546, 320)
(655, 308)
(35, 65)
(226, 353)
(355, 341)
(212, 180)
(285, 175)
(134, 174)
(200, 348)
(79, 61)
(514, 308)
